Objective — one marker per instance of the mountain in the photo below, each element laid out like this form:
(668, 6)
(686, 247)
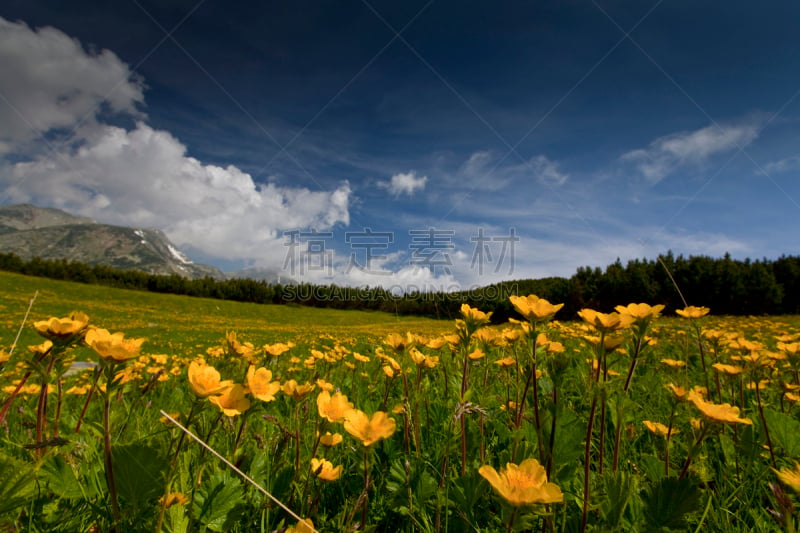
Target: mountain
(29, 231)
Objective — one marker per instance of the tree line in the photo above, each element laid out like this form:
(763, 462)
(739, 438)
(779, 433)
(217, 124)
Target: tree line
(728, 286)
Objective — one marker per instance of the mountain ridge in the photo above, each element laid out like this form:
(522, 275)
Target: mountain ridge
(30, 231)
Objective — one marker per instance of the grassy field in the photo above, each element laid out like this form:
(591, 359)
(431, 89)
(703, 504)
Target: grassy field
(169, 322)
(366, 421)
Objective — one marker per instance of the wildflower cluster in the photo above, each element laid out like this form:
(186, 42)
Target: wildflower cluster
(586, 425)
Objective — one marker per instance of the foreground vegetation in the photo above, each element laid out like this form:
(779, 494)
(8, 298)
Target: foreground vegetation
(363, 421)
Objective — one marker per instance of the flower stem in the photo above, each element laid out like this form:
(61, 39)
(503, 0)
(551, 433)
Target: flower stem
(764, 422)
(88, 399)
(366, 489)
(112, 487)
(21, 384)
(552, 443)
(586, 465)
(690, 456)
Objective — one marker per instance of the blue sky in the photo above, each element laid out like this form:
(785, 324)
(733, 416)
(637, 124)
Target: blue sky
(477, 141)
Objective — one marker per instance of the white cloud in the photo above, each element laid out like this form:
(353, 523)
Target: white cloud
(143, 177)
(783, 165)
(546, 171)
(666, 154)
(49, 81)
(140, 177)
(486, 171)
(407, 183)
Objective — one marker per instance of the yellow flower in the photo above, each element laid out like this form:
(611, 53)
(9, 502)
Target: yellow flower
(215, 351)
(174, 498)
(731, 370)
(674, 363)
(525, 484)
(291, 388)
(166, 421)
(392, 368)
(436, 343)
(657, 428)
(533, 308)
(792, 397)
(640, 312)
(205, 380)
(790, 476)
(506, 362)
(324, 469)
(260, 384)
(422, 360)
(325, 385)
(396, 342)
(333, 408)
(511, 405)
(360, 358)
(330, 439)
(679, 392)
(245, 350)
(717, 412)
(41, 348)
(368, 430)
(693, 312)
(113, 347)
(604, 321)
(305, 526)
(476, 316)
(554, 347)
(232, 402)
(278, 348)
(512, 335)
(792, 348)
(477, 354)
(62, 329)
(487, 336)
(610, 343)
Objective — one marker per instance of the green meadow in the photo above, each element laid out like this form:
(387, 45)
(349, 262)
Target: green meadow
(365, 421)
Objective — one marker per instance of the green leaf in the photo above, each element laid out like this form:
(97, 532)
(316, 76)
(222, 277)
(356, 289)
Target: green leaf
(784, 431)
(219, 502)
(139, 473)
(667, 503)
(60, 479)
(568, 450)
(652, 467)
(619, 487)
(17, 487)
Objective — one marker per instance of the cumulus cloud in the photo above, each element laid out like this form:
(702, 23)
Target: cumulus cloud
(137, 177)
(143, 177)
(49, 81)
(666, 154)
(405, 183)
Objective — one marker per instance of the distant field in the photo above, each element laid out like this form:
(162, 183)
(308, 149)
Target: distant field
(168, 320)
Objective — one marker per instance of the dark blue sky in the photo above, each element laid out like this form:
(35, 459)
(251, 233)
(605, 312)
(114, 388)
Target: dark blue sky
(596, 130)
